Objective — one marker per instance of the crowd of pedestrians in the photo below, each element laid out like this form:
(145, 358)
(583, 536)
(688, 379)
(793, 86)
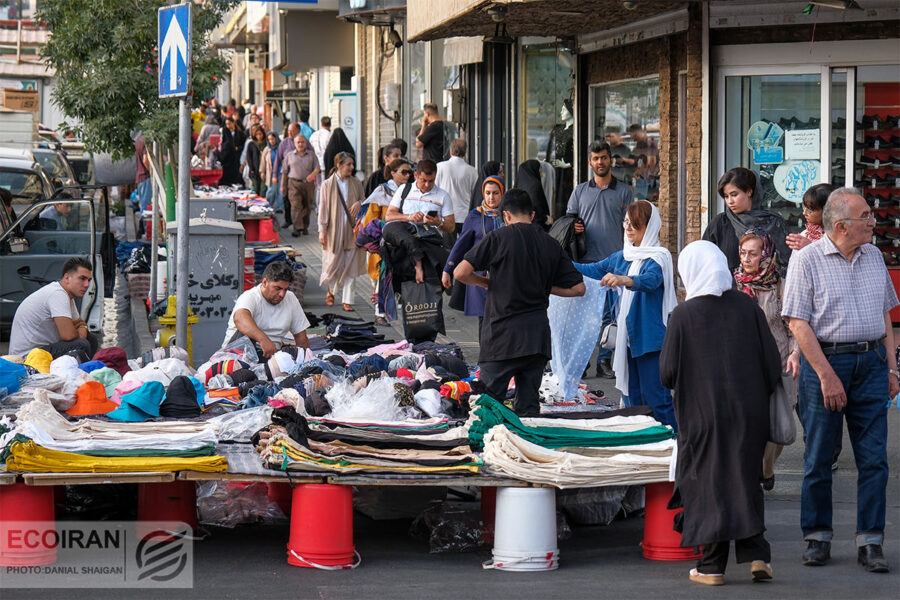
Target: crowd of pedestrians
(763, 309)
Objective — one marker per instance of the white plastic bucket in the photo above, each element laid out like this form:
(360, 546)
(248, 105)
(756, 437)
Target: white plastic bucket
(525, 530)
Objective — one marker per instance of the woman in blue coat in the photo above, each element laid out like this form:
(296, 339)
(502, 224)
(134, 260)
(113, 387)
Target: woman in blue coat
(643, 269)
(480, 221)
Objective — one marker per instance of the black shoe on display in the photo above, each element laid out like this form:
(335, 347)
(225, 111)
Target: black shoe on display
(879, 182)
(871, 162)
(878, 142)
(884, 222)
(605, 370)
(817, 553)
(872, 558)
(874, 122)
(880, 240)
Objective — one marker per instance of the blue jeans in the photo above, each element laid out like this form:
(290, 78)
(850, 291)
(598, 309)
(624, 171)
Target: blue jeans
(612, 298)
(144, 194)
(645, 388)
(273, 195)
(865, 381)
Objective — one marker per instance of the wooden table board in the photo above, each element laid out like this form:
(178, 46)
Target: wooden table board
(86, 478)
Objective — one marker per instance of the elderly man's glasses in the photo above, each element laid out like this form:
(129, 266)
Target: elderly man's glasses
(867, 216)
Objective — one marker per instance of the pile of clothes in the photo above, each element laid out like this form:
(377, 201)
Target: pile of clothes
(619, 449)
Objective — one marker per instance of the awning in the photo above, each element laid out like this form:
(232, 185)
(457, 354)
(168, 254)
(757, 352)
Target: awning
(315, 39)
(25, 69)
(561, 18)
(463, 51)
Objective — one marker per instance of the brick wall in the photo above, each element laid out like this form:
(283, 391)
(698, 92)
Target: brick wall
(694, 134)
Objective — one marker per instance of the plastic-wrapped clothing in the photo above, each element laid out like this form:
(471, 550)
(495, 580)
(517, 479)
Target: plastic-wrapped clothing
(163, 371)
(574, 330)
(408, 361)
(317, 366)
(376, 401)
(436, 348)
(372, 361)
(429, 401)
(219, 382)
(259, 395)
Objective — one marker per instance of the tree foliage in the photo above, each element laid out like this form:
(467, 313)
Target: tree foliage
(106, 60)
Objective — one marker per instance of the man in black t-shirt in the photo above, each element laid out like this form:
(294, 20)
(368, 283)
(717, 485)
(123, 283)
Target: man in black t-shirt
(431, 135)
(525, 265)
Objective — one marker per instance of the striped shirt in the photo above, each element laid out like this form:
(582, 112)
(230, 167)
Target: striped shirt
(843, 301)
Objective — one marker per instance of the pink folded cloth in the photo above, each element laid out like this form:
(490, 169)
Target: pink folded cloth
(401, 345)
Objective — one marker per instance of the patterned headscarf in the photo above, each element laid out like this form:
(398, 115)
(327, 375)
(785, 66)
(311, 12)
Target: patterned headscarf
(766, 276)
(484, 208)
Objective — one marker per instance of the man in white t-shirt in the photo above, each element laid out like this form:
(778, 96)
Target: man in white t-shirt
(423, 202)
(457, 178)
(49, 319)
(269, 314)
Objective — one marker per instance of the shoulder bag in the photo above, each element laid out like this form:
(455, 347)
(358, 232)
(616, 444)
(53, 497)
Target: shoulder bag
(782, 429)
(611, 330)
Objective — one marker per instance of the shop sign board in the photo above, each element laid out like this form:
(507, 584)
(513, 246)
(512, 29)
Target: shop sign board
(768, 156)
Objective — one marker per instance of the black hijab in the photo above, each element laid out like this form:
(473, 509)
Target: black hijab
(337, 144)
(491, 167)
(771, 223)
(528, 178)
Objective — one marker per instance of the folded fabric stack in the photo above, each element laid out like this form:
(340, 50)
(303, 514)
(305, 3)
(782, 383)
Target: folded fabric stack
(325, 445)
(44, 441)
(618, 450)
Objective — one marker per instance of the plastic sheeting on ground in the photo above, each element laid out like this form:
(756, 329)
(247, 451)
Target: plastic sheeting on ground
(574, 331)
(507, 454)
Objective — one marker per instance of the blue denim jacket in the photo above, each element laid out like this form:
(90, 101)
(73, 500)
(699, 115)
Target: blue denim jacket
(644, 322)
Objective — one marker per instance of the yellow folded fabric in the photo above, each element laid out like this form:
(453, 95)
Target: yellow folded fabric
(31, 458)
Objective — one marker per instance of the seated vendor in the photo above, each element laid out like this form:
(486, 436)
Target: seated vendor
(269, 314)
(49, 319)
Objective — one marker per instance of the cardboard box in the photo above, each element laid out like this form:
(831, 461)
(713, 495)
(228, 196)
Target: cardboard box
(21, 99)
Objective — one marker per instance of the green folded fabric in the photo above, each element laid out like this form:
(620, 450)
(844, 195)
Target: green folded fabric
(490, 413)
(204, 450)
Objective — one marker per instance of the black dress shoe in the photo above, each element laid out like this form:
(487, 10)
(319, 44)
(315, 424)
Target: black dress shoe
(817, 553)
(605, 370)
(872, 558)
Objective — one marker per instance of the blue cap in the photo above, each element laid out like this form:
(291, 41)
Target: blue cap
(141, 404)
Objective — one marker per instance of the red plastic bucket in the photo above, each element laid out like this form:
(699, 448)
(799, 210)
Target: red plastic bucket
(661, 542)
(249, 268)
(282, 495)
(322, 527)
(171, 501)
(488, 510)
(20, 503)
(267, 231)
(251, 229)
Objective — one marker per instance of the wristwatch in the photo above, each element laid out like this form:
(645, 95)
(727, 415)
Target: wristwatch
(894, 372)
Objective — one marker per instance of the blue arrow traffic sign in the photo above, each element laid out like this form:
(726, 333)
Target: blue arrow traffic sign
(175, 32)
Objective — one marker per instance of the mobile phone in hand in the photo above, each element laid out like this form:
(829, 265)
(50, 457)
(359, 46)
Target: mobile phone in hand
(433, 214)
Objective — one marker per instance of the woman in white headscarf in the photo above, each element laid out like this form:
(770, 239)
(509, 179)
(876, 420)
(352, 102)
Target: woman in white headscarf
(722, 364)
(643, 269)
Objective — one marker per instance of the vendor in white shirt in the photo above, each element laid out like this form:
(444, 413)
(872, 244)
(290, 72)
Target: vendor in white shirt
(424, 202)
(269, 313)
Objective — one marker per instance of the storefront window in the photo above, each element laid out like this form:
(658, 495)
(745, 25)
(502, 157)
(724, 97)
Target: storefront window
(772, 126)
(547, 119)
(626, 115)
(417, 59)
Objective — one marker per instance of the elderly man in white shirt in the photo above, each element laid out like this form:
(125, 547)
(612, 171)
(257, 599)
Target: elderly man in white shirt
(457, 177)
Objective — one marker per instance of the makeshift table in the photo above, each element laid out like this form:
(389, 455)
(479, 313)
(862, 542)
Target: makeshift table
(208, 177)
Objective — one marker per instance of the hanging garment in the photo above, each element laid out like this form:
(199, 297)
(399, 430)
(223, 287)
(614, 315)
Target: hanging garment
(574, 330)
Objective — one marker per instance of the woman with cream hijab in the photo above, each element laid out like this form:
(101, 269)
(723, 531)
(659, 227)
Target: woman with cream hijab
(644, 270)
(722, 364)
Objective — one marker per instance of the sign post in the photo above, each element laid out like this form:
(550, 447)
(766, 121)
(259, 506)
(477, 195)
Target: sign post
(175, 37)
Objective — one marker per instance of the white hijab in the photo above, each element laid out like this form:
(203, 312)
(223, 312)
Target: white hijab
(704, 270)
(650, 249)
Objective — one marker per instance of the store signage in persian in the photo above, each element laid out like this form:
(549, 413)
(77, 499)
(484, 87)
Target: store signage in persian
(768, 156)
(801, 144)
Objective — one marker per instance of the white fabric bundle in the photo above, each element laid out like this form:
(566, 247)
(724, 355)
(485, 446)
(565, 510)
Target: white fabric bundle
(505, 453)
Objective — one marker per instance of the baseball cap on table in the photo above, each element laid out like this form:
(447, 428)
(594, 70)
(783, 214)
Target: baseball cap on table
(40, 359)
(114, 358)
(141, 404)
(110, 378)
(126, 386)
(90, 399)
(91, 365)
